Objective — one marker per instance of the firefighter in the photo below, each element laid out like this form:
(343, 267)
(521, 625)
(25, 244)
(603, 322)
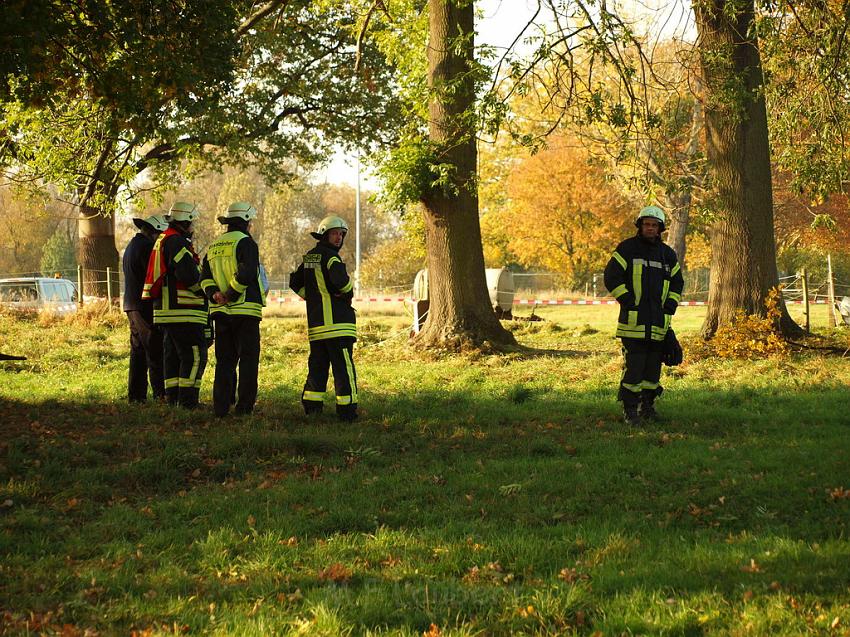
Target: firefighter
(145, 337)
(231, 279)
(180, 307)
(323, 282)
(644, 276)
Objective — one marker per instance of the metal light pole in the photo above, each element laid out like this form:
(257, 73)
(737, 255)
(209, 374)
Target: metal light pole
(357, 231)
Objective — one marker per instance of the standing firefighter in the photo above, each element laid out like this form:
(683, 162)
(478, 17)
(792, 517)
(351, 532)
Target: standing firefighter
(322, 281)
(145, 337)
(180, 307)
(644, 276)
(231, 280)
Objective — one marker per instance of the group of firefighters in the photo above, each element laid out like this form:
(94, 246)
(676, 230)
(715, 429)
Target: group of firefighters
(175, 303)
(178, 304)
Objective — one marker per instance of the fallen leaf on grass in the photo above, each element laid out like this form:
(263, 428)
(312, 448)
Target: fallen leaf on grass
(297, 596)
(528, 611)
(752, 568)
(433, 631)
(839, 493)
(336, 572)
(571, 575)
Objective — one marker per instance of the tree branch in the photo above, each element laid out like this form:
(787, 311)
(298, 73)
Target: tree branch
(259, 14)
(377, 4)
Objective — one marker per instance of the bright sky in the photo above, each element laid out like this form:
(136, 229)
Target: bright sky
(499, 25)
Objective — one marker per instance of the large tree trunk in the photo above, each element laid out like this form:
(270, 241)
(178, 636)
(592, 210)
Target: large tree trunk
(97, 251)
(743, 262)
(460, 312)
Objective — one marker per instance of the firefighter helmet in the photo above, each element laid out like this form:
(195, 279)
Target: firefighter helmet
(329, 223)
(238, 210)
(651, 212)
(182, 211)
(157, 222)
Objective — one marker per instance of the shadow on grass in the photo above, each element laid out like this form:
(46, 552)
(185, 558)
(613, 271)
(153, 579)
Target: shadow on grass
(439, 505)
(531, 353)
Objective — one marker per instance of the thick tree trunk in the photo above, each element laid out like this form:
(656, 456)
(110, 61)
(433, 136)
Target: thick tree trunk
(97, 251)
(460, 313)
(743, 262)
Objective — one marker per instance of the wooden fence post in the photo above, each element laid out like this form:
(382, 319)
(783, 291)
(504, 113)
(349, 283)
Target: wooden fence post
(830, 291)
(805, 282)
(79, 285)
(109, 288)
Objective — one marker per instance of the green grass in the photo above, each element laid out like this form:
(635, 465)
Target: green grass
(486, 495)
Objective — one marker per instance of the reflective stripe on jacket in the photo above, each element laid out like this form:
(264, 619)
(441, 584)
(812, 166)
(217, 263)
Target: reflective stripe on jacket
(173, 265)
(323, 282)
(232, 266)
(646, 280)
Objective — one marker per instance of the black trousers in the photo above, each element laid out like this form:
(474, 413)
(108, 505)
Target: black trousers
(237, 343)
(184, 361)
(145, 357)
(338, 354)
(641, 370)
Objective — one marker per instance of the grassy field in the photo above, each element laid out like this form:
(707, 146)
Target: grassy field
(477, 495)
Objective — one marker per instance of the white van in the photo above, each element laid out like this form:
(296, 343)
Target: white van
(39, 293)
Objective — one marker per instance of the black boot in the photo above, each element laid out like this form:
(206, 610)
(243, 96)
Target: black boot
(347, 413)
(188, 398)
(631, 416)
(647, 406)
(312, 407)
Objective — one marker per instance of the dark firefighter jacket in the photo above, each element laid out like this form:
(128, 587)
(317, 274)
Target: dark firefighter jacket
(135, 266)
(646, 280)
(322, 281)
(172, 281)
(232, 266)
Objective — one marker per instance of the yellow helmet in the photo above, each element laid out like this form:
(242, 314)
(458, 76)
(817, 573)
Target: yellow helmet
(238, 210)
(182, 211)
(329, 223)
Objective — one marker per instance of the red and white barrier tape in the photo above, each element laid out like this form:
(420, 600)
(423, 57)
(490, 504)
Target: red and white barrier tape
(296, 299)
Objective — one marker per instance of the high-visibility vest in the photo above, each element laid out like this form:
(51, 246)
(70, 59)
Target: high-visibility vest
(221, 266)
(172, 281)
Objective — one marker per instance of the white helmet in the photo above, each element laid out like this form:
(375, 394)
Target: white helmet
(182, 211)
(239, 210)
(651, 212)
(157, 222)
(329, 223)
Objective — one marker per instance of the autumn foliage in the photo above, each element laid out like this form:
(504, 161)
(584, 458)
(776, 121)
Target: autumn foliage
(561, 213)
(751, 336)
